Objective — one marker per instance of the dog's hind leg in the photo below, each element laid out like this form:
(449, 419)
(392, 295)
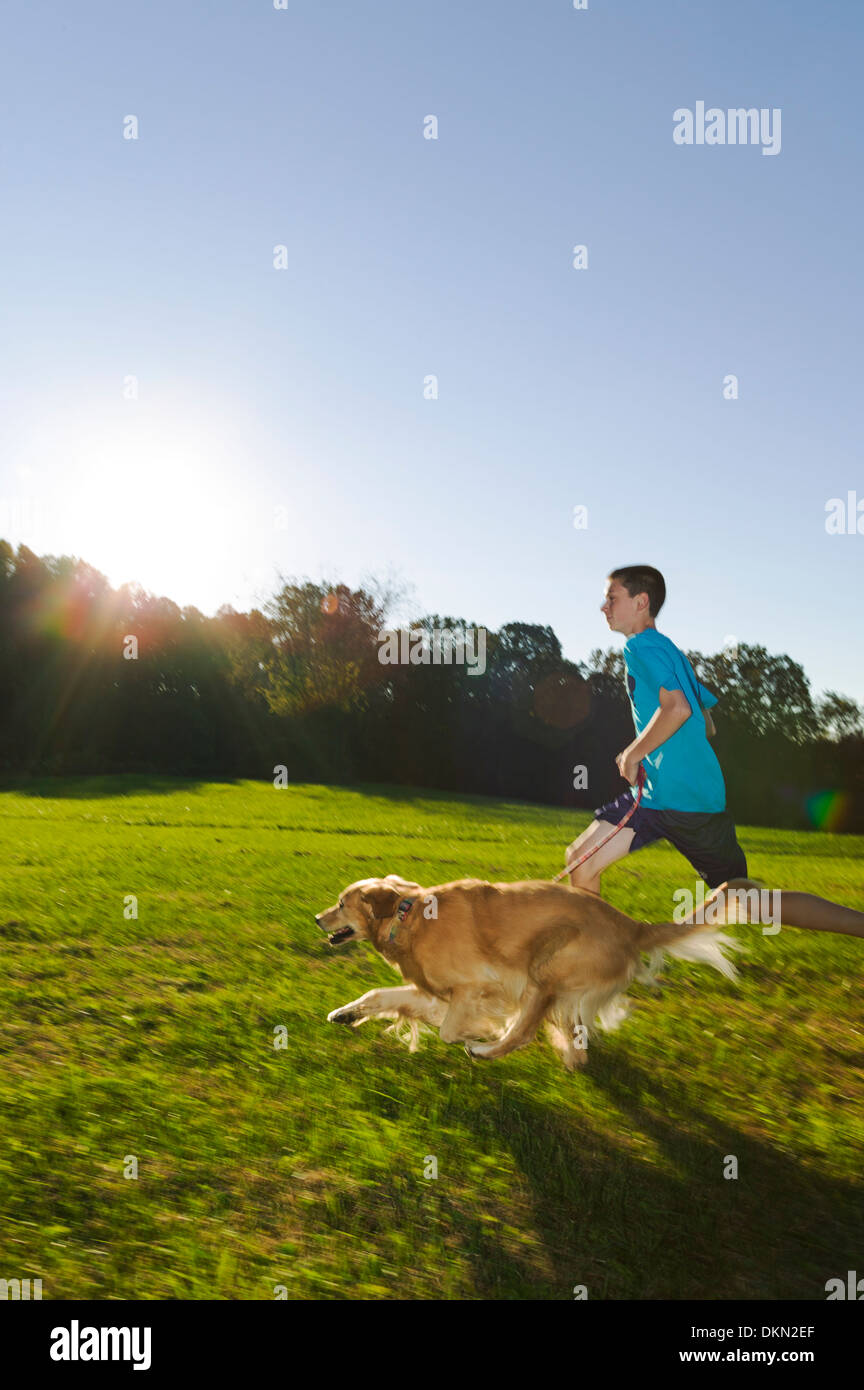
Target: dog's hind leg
(467, 1016)
(563, 1039)
(521, 1030)
(605, 1004)
(647, 974)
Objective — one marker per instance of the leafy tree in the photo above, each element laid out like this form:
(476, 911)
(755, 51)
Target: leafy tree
(766, 693)
(839, 717)
(324, 648)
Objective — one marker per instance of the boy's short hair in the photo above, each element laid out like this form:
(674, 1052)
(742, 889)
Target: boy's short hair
(643, 579)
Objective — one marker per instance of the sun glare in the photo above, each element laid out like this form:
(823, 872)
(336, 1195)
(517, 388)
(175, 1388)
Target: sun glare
(158, 507)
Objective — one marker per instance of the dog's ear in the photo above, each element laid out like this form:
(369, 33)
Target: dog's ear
(381, 901)
(403, 884)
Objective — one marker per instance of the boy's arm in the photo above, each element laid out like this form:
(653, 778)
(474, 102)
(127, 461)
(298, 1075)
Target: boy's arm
(673, 711)
(707, 700)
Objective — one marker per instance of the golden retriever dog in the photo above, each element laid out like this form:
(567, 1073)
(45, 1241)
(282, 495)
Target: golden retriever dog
(488, 963)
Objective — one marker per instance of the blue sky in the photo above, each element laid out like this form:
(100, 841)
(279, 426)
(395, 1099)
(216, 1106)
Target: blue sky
(281, 425)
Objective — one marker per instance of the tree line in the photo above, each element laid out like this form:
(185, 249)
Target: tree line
(98, 680)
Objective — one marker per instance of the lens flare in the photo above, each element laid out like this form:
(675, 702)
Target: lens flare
(828, 810)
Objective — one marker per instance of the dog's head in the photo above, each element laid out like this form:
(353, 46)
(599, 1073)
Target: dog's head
(362, 906)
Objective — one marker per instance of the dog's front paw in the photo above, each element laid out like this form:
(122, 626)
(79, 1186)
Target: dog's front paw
(479, 1050)
(348, 1014)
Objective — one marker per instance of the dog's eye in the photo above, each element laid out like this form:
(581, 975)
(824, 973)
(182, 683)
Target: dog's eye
(341, 902)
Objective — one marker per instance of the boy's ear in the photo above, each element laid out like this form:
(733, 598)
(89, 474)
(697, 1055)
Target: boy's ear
(381, 902)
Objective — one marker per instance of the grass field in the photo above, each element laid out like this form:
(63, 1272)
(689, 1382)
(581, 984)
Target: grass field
(304, 1166)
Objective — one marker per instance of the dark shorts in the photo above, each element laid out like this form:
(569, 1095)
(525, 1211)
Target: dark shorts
(706, 838)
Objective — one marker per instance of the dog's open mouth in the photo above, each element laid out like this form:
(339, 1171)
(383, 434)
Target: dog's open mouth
(343, 934)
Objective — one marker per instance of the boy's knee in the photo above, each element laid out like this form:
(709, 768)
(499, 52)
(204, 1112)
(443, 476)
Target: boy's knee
(584, 888)
(583, 877)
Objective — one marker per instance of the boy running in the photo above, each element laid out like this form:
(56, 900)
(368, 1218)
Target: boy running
(684, 796)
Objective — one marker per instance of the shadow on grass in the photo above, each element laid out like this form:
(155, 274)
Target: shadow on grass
(512, 809)
(629, 1227)
(104, 784)
(125, 783)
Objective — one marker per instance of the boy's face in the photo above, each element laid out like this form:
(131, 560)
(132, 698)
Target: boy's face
(623, 613)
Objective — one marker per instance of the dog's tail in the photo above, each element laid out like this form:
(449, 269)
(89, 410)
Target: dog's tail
(702, 944)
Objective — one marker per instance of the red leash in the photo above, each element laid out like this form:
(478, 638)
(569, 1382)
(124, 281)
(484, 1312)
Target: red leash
(640, 783)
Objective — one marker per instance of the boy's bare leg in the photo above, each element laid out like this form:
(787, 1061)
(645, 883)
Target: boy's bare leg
(818, 914)
(587, 876)
(779, 906)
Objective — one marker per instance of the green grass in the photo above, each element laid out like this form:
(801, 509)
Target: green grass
(304, 1166)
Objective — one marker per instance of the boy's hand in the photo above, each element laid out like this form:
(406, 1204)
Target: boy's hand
(628, 764)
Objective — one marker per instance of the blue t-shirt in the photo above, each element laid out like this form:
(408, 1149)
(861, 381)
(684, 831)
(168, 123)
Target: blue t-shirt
(683, 774)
